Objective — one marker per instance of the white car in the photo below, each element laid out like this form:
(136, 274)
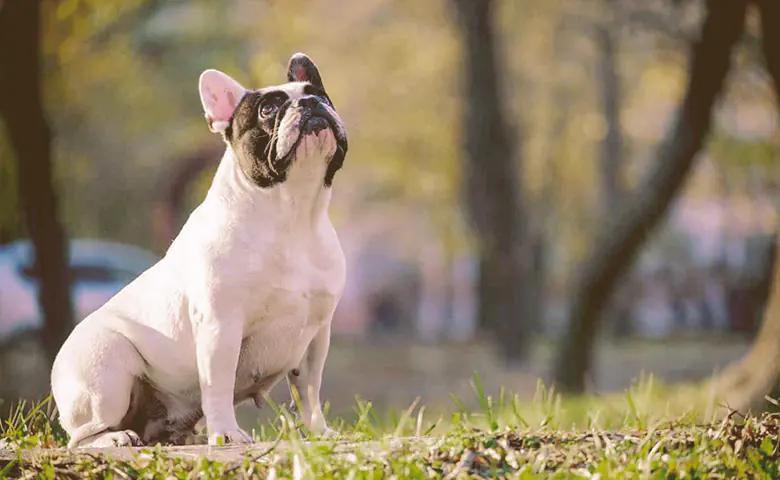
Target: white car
(99, 269)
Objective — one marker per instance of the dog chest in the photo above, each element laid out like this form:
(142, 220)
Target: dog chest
(282, 320)
(283, 310)
(297, 280)
(276, 340)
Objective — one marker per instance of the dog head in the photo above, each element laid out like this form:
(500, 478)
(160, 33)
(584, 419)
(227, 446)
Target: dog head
(271, 128)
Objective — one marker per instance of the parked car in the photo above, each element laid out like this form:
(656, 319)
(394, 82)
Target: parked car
(99, 269)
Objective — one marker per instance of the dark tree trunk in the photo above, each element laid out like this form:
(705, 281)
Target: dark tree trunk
(744, 384)
(612, 146)
(493, 190)
(623, 234)
(172, 192)
(21, 107)
(770, 43)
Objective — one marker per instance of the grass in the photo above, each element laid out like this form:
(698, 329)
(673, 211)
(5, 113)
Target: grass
(649, 431)
(393, 374)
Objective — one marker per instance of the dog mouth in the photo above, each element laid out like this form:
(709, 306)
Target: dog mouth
(312, 122)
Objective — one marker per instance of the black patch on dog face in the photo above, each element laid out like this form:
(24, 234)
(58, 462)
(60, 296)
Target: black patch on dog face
(336, 162)
(319, 92)
(250, 134)
(341, 143)
(253, 129)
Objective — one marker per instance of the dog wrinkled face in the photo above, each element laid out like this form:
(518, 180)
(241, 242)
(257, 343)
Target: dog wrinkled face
(269, 128)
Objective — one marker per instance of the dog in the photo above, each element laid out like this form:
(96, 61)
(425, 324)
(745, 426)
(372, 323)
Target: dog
(243, 297)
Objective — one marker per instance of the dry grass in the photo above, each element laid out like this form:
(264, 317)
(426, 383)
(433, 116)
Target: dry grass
(648, 431)
(467, 428)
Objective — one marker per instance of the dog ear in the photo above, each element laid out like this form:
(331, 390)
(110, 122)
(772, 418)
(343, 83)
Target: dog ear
(302, 69)
(219, 95)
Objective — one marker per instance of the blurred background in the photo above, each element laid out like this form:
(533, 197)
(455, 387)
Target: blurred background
(568, 190)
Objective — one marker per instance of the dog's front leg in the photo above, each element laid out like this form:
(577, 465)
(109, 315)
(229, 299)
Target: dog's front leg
(218, 344)
(305, 382)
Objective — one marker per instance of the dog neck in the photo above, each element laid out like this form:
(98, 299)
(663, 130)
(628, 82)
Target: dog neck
(299, 203)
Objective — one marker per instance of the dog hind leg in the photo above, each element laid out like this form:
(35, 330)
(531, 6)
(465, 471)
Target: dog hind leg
(92, 380)
(121, 438)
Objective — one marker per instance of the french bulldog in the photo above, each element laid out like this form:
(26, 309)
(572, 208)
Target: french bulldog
(243, 297)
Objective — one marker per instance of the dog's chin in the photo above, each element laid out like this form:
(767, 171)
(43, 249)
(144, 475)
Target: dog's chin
(316, 140)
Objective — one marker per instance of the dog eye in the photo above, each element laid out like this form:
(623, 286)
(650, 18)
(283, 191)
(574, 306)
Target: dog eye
(269, 109)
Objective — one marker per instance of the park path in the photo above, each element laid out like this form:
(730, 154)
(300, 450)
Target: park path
(226, 453)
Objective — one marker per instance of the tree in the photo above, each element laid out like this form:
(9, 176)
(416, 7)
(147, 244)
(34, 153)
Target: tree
(10, 223)
(744, 384)
(624, 233)
(494, 194)
(21, 107)
(612, 145)
(610, 90)
(171, 196)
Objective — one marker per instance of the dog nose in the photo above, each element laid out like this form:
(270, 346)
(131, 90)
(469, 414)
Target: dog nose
(308, 102)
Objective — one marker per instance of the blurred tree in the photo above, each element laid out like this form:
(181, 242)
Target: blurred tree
(745, 384)
(114, 77)
(494, 196)
(172, 193)
(21, 106)
(11, 226)
(606, 34)
(622, 235)
(611, 92)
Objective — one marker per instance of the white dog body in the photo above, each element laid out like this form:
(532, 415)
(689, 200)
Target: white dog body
(243, 297)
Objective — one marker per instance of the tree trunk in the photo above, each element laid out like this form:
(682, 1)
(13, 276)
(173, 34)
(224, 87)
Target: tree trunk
(172, 192)
(612, 146)
(21, 107)
(770, 43)
(624, 234)
(493, 190)
(744, 384)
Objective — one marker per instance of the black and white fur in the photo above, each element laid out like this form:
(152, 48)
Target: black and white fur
(244, 296)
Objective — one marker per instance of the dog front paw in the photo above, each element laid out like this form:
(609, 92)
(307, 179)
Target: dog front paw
(329, 433)
(229, 436)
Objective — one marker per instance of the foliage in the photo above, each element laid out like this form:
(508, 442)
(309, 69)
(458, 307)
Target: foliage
(120, 90)
(118, 110)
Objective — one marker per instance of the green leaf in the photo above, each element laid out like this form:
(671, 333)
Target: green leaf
(767, 446)
(6, 471)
